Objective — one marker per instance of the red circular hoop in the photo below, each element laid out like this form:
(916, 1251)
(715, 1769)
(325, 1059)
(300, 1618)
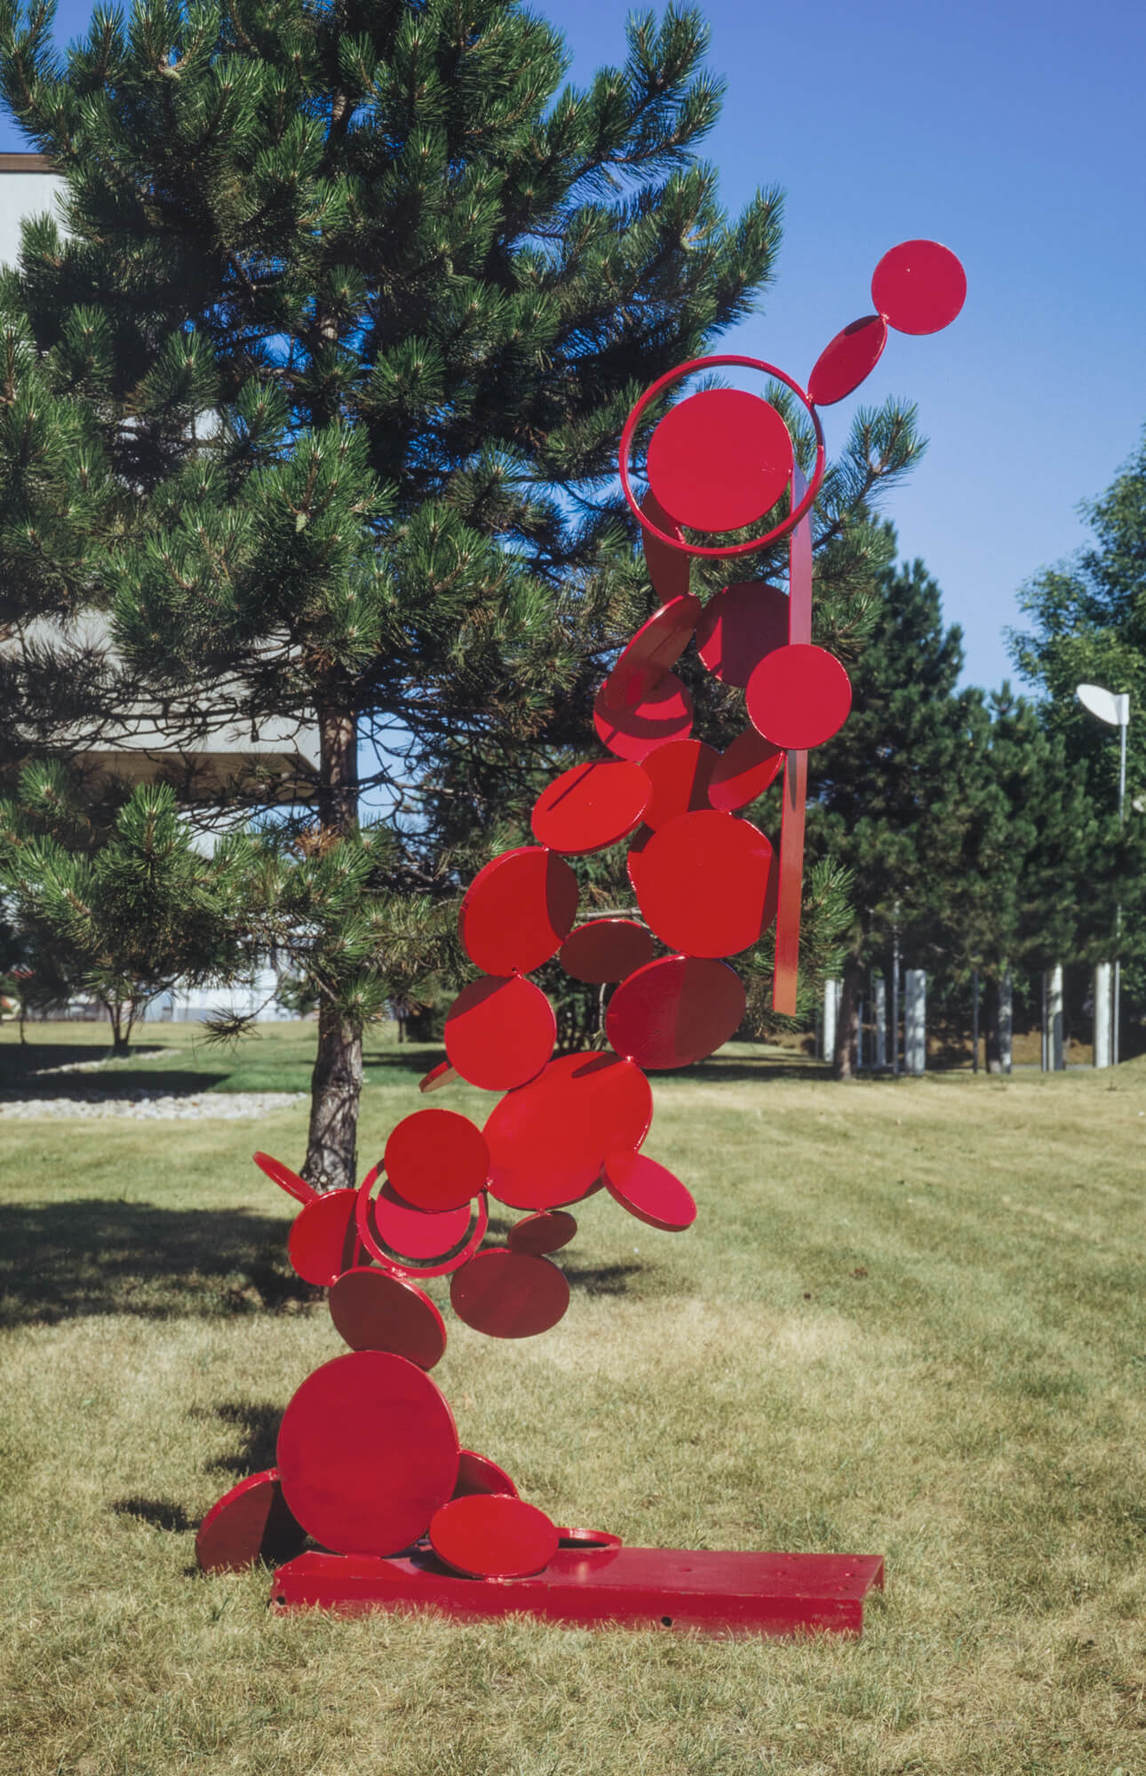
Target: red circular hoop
(414, 1271)
(668, 380)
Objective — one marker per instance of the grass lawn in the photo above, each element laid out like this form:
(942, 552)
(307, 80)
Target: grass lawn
(909, 1320)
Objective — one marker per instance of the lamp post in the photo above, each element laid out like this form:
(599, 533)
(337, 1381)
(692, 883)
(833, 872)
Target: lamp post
(1113, 708)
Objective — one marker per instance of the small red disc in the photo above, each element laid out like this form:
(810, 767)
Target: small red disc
(919, 286)
(546, 1232)
(669, 568)
(367, 1452)
(673, 1012)
(680, 773)
(509, 1294)
(436, 1160)
(518, 910)
(442, 1074)
(492, 1536)
(287, 1180)
(412, 1233)
(706, 884)
(799, 697)
(655, 648)
(739, 626)
(844, 363)
(744, 771)
(590, 806)
(374, 1310)
(251, 1522)
(548, 1139)
(649, 1191)
(500, 1031)
(477, 1473)
(720, 459)
(631, 732)
(606, 950)
(322, 1237)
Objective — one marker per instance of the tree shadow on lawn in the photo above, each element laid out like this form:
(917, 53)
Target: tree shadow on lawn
(117, 1082)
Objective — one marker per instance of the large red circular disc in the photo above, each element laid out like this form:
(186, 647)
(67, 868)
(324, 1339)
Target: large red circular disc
(680, 773)
(287, 1180)
(673, 1012)
(655, 648)
(491, 1536)
(548, 1139)
(605, 950)
(251, 1522)
(500, 1032)
(477, 1473)
(706, 883)
(509, 1294)
(799, 697)
(845, 362)
(322, 1237)
(374, 1310)
(649, 1191)
(414, 1234)
(740, 625)
(744, 771)
(367, 1452)
(546, 1232)
(669, 569)
(590, 806)
(517, 911)
(631, 731)
(919, 286)
(436, 1160)
(720, 459)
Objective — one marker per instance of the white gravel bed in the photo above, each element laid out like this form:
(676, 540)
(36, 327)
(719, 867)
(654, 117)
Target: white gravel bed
(170, 1106)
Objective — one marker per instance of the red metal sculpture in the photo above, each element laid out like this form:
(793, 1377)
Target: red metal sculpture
(369, 1465)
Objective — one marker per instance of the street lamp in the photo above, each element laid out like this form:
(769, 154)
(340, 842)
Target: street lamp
(1113, 708)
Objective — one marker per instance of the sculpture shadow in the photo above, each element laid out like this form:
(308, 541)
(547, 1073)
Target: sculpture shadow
(160, 1513)
(257, 1423)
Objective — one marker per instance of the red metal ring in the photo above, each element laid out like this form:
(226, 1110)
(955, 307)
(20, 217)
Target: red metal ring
(667, 381)
(366, 1238)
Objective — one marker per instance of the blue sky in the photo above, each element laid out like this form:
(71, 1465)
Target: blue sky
(1013, 133)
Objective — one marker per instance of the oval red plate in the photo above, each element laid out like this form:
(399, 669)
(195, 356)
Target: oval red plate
(548, 1139)
(720, 459)
(251, 1522)
(799, 697)
(744, 771)
(518, 910)
(605, 950)
(375, 1310)
(680, 773)
(655, 648)
(631, 732)
(546, 1232)
(649, 1191)
(491, 1536)
(322, 1237)
(708, 884)
(412, 1233)
(669, 569)
(500, 1031)
(477, 1473)
(287, 1180)
(591, 806)
(919, 286)
(442, 1074)
(436, 1160)
(739, 626)
(509, 1294)
(673, 1012)
(844, 363)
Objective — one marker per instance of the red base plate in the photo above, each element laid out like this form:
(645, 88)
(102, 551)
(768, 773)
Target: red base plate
(717, 1593)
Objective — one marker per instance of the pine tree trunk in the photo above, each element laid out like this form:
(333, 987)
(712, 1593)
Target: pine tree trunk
(846, 1058)
(336, 1083)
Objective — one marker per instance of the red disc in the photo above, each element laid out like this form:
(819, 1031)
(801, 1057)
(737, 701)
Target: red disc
(436, 1160)
(546, 1232)
(680, 773)
(367, 1451)
(649, 1191)
(412, 1233)
(322, 1237)
(631, 732)
(606, 950)
(492, 1536)
(509, 1294)
(669, 568)
(500, 1031)
(653, 650)
(251, 1522)
(287, 1180)
(476, 1473)
(548, 1139)
(517, 910)
(850, 357)
(374, 1310)
(674, 1012)
(591, 806)
(442, 1074)
(799, 697)
(919, 286)
(720, 459)
(739, 626)
(705, 883)
(638, 845)
(744, 771)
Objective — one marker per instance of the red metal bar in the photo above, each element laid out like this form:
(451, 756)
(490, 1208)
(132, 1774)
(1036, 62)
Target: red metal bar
(795, 776)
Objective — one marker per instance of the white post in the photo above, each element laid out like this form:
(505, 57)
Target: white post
(832, 991)
(915, 1021)
(1054, 1018)
(879, 997)
(1103, 1014)
(1006, 1020)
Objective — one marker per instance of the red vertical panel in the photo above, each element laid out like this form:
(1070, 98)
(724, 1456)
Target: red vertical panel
(795, 775)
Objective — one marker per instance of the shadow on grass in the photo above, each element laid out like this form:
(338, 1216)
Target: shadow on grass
(117, 1082)
(160, 1513)
(258, 1425)
(94, 1256)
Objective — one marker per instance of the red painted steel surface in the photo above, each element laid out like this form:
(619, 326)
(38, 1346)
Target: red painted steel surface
(850, 357)
(674, 1012)
(322, 1237)
(442, 1074)
(654, 650)
(375, 1310)
(544, 1232)
(669, 567)
(287, 1180)
(414, 1243)
(632, 730)
(799, 697)
(500, 1031)
(790, 879)
(436, 1160)
(591, 806)
(605, 950)
(548, 1140)
(720, 459)
(680, 773)
(919, 286)
(649, 1191)
(706, 884)
(744, 771)
(716, 1593)
(250, 1522)
(477, 1473)
(367, 1452)
(509, 1294)
(518, 910)
(492, 1536)
(740, 625)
